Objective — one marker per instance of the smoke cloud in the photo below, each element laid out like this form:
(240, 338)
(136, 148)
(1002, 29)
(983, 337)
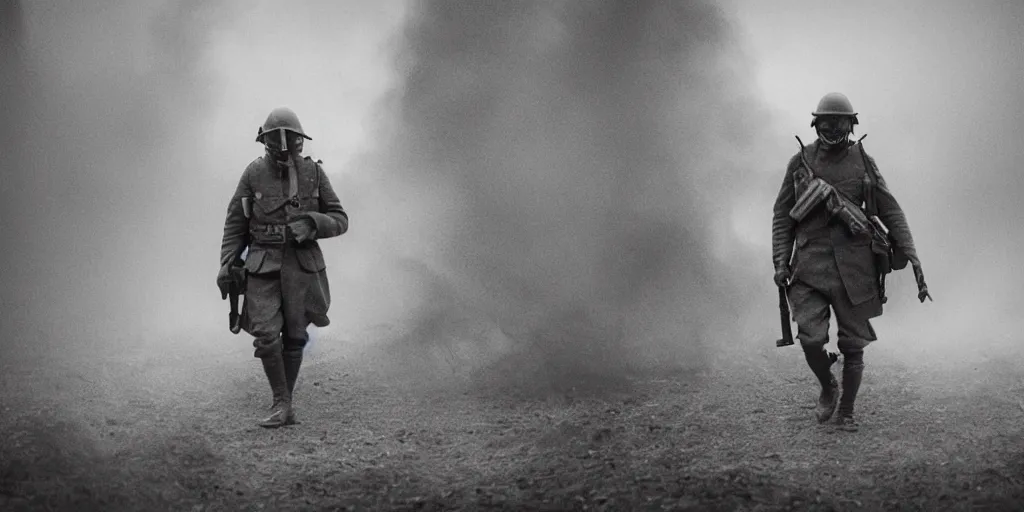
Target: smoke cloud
(563, 171)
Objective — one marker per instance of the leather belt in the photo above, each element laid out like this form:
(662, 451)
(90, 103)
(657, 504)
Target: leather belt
(268, 234)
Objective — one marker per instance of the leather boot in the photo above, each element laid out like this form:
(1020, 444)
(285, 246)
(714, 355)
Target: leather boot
(273, 365)
(292, 363)
(821, 362)
(853, 370)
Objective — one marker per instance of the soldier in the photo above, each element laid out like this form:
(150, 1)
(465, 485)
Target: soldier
(826, 258)
(283, 204)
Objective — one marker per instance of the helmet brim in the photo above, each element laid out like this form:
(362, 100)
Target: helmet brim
(260, 132)
(815, 115)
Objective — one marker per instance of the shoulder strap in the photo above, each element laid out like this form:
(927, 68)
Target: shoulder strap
(870, 181)
(808, 171)
(319, 169)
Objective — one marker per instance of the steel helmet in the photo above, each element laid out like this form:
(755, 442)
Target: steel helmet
(281, 118)
(834, 104)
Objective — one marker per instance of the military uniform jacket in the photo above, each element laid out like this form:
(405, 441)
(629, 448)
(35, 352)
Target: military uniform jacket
(273, 207)
(820, 243)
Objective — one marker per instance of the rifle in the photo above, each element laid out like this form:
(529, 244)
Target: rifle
(236, 288)
(787, 327)
(837, 203)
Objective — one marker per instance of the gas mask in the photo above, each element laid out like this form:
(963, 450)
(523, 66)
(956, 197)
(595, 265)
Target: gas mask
(282, 144)
(833, 130)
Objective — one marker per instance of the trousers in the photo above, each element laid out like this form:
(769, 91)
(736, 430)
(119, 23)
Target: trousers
(812, 308)
(279, 306)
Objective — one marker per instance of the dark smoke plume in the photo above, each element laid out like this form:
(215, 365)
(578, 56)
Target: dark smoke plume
(562, 171)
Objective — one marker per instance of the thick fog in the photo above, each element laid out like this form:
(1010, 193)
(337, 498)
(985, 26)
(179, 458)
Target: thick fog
(589, 183)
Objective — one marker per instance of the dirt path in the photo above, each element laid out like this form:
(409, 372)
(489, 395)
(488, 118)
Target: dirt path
(731, 436)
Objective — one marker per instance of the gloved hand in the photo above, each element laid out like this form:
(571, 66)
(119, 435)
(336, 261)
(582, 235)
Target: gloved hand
(229, 275)
(782, 276)
(302, 229)
(922, 288)
(224, 280)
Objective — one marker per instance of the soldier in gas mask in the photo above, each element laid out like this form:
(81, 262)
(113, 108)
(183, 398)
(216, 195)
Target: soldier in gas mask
(837, 230)
(283, 205)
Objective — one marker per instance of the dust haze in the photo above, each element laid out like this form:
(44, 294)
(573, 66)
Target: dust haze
(548, 190)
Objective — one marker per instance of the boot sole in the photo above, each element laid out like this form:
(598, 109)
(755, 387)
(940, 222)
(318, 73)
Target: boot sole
(278, 425)
(848, 428)
(289, 419)
(852, 426)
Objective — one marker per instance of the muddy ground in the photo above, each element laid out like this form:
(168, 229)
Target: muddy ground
(131, 431)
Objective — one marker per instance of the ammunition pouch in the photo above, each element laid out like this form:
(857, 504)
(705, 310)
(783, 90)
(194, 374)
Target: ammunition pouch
(268, 234)
(882, 250)
(888, 256)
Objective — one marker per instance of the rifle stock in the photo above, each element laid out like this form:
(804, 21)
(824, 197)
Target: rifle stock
(787, 327)
(237, 287)
(234, 319)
